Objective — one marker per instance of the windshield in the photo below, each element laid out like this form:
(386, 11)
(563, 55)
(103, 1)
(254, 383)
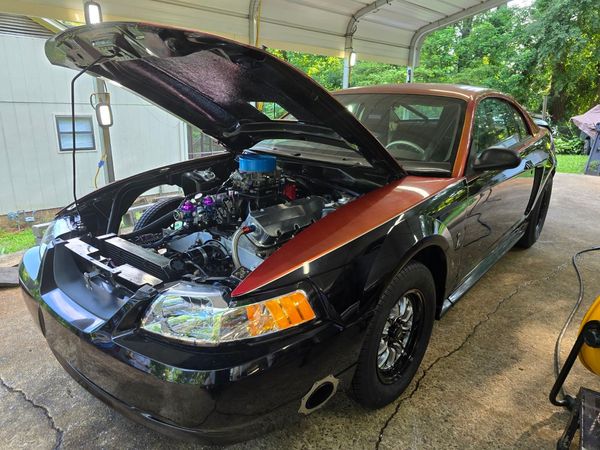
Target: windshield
(421, 132)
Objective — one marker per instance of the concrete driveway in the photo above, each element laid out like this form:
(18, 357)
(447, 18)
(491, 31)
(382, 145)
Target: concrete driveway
(484, 382)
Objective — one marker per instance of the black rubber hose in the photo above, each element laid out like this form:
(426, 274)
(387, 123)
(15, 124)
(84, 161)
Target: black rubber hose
(164, 239)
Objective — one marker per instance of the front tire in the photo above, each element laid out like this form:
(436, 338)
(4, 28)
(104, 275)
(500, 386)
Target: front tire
(537, 218)
(397, 337)
(157, 210)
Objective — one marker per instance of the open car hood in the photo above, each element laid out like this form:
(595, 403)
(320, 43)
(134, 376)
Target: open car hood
(212, 82)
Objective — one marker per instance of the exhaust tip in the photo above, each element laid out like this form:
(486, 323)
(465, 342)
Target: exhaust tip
(319, 394)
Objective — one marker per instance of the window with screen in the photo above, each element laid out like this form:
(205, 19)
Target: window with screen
(84, 133)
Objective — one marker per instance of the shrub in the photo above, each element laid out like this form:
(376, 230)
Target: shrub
(566, 145)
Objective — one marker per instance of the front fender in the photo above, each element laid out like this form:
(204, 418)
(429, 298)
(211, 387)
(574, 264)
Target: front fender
(404, 242)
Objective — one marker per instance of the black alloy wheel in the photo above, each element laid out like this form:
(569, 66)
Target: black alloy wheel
(399, 336)
(396, 338)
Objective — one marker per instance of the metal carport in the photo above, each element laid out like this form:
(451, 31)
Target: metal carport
(390, 31)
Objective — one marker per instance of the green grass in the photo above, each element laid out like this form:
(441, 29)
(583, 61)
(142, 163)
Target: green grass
(571, 163)
(13, 241)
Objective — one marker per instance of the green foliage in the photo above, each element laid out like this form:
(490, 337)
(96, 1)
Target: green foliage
(13, 241)
(366, 73)
(566, 38)
(489, 50)
(550, 48)
(566, 145)
(326, 70)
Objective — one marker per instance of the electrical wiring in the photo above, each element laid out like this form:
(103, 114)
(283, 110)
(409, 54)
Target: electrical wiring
(574, 310)
(74, 142)
(100, 165)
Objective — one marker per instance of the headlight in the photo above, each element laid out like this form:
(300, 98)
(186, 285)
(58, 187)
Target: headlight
(199, 315)
(56, 228)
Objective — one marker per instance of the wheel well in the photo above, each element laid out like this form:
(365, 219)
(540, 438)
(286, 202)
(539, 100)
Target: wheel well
(434, 258)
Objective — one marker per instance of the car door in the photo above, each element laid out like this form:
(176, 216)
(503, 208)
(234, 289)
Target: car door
(498, 199)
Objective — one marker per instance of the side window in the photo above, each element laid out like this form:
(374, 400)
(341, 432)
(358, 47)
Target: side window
(523, 130)
(496, 125)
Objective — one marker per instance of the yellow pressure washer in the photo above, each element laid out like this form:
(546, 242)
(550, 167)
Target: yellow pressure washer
(585, 407)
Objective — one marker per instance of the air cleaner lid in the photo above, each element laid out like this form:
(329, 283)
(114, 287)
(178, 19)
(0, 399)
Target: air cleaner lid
(257, 163)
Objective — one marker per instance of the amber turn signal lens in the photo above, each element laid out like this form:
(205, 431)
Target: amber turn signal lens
(279, 313)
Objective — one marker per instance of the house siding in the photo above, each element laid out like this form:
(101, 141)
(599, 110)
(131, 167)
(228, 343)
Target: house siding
(34, 175)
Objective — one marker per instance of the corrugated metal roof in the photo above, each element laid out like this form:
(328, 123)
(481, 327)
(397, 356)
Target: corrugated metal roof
(22, 26)
(382, 30)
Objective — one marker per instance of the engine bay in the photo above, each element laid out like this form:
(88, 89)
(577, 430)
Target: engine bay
(224, 227)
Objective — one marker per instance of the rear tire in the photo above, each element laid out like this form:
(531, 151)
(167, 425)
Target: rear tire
(394, 346)
(537, 218)
(156, 211)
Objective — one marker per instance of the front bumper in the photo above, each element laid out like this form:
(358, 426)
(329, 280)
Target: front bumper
(211, 397)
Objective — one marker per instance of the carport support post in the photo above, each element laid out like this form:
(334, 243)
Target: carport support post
(253, 22)
(347, 68)
(105, 144)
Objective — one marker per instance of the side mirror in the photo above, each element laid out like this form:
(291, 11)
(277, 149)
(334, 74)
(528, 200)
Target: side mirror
(497, 158)
(542, 123)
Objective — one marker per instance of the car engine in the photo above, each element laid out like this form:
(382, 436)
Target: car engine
(226, 230)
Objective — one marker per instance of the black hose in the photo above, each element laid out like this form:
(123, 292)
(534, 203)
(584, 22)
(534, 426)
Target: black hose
(557, 365)
(164, 239)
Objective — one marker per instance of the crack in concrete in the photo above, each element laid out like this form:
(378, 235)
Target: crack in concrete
(461, 346)
(56, 428)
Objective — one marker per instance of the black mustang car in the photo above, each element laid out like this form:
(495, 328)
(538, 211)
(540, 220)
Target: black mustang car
(316, 250)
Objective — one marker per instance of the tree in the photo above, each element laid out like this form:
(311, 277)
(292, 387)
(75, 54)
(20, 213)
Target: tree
(566, 38)
(551, 48)
(487, 50)
(326, 70)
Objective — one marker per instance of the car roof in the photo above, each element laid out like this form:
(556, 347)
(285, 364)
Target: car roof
(464, 92)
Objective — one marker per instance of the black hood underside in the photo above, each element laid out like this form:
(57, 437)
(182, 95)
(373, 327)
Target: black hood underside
(214, 84)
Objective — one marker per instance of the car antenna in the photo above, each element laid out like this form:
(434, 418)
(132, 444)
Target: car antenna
(73, 159)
